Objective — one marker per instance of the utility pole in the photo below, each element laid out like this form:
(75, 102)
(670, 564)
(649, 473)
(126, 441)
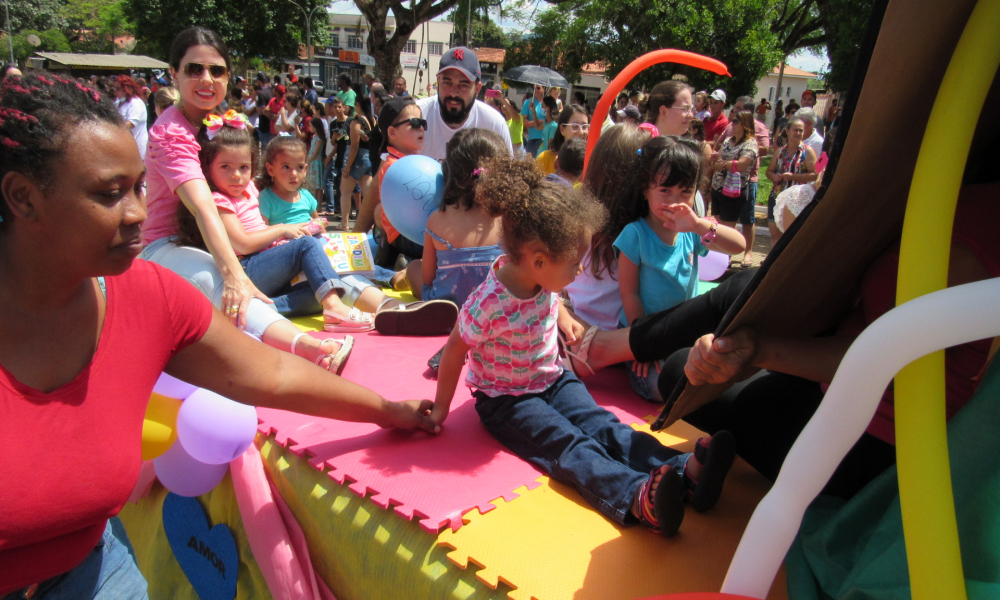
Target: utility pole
(10, 36)
(468, 27)
(309, 45)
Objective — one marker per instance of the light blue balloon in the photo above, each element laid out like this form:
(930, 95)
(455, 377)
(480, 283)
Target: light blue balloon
(411, 190)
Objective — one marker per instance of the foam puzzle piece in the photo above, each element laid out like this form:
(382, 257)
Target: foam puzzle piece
(587, 557)
(207, 556)
(435, 479)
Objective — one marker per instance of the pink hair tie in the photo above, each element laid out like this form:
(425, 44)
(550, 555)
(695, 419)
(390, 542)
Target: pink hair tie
(653, 131)
(478, 172)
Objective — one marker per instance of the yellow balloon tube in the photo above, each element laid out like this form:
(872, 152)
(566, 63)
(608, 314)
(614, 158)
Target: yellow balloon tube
(928, 507)
(159, 426)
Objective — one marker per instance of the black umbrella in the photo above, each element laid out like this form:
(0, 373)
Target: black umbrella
(536, 75)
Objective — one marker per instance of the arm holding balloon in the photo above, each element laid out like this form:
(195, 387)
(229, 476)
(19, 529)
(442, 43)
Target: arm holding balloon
(233, 365)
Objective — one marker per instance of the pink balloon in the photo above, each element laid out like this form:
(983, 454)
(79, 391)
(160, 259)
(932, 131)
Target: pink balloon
(214, 429)
(185, 476)
(710, 267)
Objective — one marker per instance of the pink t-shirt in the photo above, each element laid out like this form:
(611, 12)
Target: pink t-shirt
(246, 208)
(514, 342)
(171, 159)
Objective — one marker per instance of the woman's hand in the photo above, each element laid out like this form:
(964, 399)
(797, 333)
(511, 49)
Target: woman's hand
(787, 176)
(409, 414)
(237, 291)
(719, 360)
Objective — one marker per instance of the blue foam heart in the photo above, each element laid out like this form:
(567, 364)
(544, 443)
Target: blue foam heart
(207, 556)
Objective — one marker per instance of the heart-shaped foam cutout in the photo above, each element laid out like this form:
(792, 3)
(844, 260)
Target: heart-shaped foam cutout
(207, 556)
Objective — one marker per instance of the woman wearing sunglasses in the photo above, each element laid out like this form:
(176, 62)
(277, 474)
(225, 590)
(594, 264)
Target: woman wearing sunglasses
(573, 123)
(200, 68)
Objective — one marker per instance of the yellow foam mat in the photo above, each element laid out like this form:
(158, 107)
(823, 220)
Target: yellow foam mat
(315, 322)
(549, 544)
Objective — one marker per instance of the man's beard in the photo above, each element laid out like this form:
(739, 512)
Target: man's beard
(454, 116)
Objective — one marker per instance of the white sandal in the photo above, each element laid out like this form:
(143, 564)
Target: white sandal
(356, 321)
(579, 357)
(338, 359)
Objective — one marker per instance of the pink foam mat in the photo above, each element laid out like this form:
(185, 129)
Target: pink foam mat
(435, 479)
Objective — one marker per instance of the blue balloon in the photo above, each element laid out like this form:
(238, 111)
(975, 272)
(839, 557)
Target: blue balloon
(411, 190)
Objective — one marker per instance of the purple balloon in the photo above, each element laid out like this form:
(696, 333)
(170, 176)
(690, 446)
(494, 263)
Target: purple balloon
(173, 388)
(711, 267)
(185, 476)
(214, 429)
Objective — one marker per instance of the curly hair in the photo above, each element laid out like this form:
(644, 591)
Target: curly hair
(664, 161)
(38, 113)
(536, 211)
(128, 86)
(613, 166)
(467, 151)
(278, 145)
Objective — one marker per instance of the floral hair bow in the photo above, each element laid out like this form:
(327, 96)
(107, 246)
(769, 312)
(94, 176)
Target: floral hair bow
(213, 123)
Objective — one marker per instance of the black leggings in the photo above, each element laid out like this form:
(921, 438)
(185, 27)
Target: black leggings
(765, 413)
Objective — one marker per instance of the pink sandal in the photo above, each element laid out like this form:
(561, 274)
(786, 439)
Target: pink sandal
(356, 321)
(337, 359)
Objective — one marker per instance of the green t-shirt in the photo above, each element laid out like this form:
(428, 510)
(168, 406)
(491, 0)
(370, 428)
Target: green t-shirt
(347, 97)
(516, 127)
(279, 212)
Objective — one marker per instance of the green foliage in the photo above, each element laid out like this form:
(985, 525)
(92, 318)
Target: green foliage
(737, 32)
(485, 32)
(52, 40)
(845, 22)
(37, 15)
(258, 29)
(94, 24)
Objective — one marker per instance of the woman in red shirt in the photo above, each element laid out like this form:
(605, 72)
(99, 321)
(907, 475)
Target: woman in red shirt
(87, 331)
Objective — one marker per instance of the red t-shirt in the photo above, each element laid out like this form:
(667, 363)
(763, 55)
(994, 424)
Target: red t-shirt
(74, 454)
(978, 209)
(714, 126)
(275, 106)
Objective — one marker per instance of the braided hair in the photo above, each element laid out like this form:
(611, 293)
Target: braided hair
(37, 114)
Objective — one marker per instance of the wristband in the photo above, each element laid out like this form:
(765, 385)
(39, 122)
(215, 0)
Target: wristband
(709, 237)
(733, 169)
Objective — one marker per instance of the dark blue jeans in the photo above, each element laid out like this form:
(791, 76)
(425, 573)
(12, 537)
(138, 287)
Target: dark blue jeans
(273, 269)
(563, 432)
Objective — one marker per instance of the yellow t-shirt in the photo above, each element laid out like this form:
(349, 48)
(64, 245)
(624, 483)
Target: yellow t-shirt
(546, 161)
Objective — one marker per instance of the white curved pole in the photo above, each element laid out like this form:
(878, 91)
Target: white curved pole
(926, 324)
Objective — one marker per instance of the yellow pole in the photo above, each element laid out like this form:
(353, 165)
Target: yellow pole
(928, 507)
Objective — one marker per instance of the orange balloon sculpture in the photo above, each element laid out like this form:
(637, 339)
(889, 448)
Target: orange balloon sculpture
(649, 59)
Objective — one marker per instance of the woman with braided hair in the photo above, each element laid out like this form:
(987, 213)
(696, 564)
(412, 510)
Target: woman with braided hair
(86, 332)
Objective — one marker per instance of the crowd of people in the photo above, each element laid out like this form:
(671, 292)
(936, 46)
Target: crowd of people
(540, 274)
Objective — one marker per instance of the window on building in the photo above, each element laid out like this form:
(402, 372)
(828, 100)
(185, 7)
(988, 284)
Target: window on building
(335, 40)
(770, 93)
(411, 46)
(436, 48)
(331, 76)
(788, 93)
(354, 42)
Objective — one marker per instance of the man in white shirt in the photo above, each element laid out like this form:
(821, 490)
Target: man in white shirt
(455, 106)
(811, 138)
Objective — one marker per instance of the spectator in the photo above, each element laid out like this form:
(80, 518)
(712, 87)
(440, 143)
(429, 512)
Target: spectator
(762, 109)
(738, 154)
(670, 107)
(133, 109)
(635, 98)
(534, 120)
(399, 87)
(555, 92)
(367, 79)
(812, 137)
(551, 116)
(696, 131)
(809, 101)
(716, 122)
(763, 139)
(581, 100)
(455, 106)
(701, 111)
(264, 97)
(794, 164)
(165, 97)
(346, 94)
(310, 93)
(569, 163)
(515, 125)
(620, 105)
(9, 70)
(250, 105)
(629, 114)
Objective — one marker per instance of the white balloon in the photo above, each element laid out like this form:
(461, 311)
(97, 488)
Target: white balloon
(173, 388)
(926, 324)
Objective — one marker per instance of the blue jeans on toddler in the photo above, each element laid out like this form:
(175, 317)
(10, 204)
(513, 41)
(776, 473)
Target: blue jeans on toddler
(563, 432)
(108, 573)
(271, 271)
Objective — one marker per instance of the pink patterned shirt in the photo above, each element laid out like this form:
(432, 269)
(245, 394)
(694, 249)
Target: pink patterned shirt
(514, 342)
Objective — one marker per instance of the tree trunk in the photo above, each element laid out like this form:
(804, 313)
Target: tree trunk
(385, 50)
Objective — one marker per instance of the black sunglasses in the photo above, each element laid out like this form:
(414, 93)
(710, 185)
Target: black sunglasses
(195, 70)
(415, 123)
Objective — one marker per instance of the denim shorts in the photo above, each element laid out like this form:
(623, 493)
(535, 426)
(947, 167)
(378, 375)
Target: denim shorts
(362, 164)
(108, 573)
